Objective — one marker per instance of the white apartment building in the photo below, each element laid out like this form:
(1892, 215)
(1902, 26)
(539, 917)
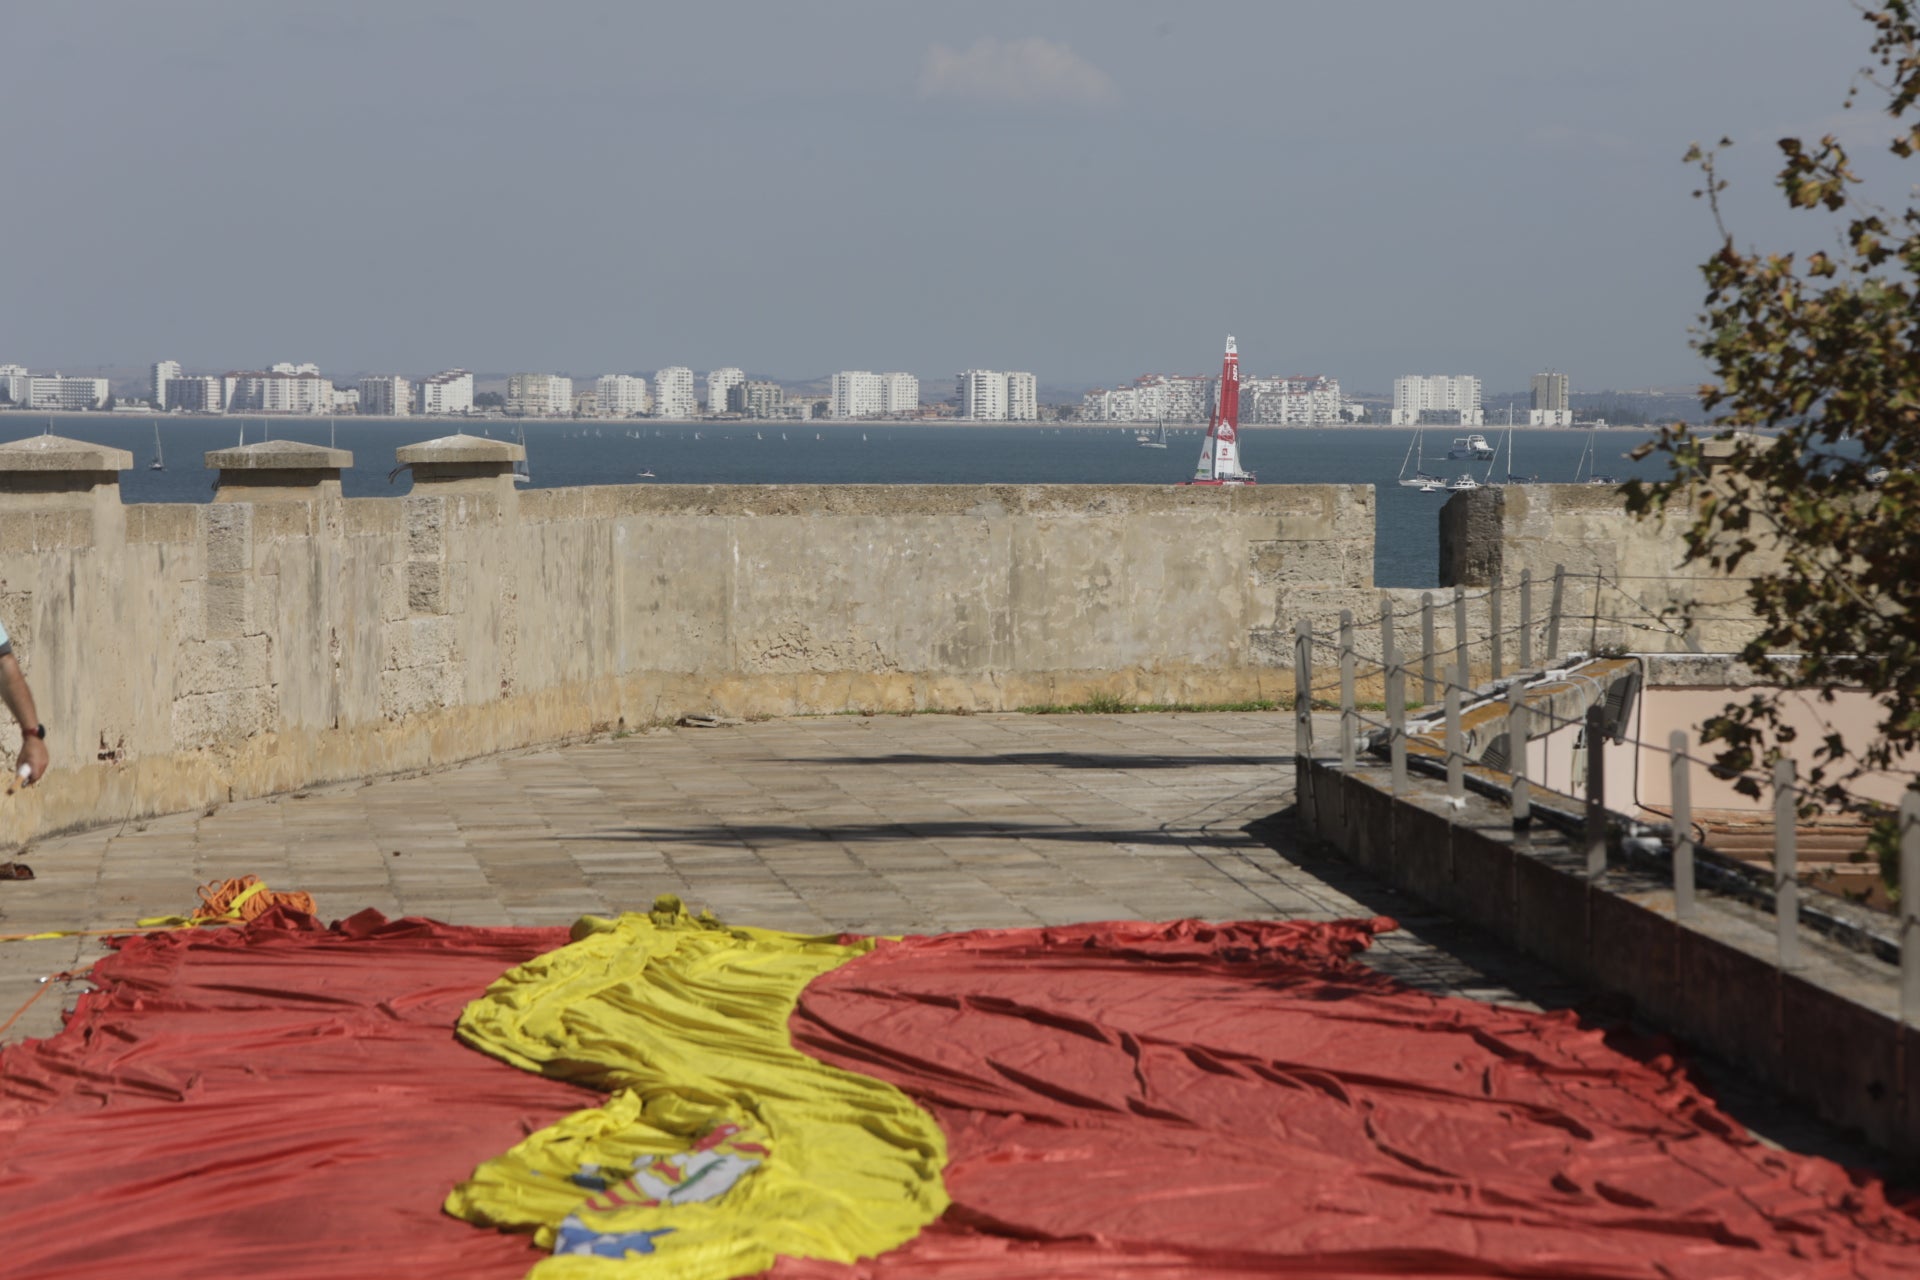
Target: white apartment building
(899, 394)
(13, 381)
(757, 399)
(163, 372)
(1442, 399)
(387, 396)
(1023, 398)
(989, 395)
(1154, 397)
(57, 392)
(448, 392)
(673, 393)
(346, 399)
(197, 393)
(855, 393)
(1552, 401)
(1295, 401)
(719, 383)
(539, 395)
(285, 388)
(621, 394)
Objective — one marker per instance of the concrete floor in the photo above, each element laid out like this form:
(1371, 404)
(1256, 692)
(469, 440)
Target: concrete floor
(876, 824)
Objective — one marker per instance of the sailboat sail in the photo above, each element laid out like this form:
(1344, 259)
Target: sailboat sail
(1220, 455)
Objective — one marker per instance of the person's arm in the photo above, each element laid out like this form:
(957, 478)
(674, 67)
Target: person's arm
(19, 700)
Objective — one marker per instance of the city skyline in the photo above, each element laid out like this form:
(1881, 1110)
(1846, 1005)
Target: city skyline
(1497, 187)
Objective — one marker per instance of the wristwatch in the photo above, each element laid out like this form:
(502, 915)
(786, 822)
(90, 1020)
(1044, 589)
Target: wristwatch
(38, 731)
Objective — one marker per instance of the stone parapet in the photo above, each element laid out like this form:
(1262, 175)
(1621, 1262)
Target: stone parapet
(267, 469)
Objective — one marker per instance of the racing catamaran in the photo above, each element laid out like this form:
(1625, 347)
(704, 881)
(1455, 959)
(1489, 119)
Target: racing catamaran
(1220, 455)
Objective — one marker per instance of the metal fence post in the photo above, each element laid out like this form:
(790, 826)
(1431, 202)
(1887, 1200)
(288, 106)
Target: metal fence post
(1426, 648)
(1517, 736)
(1596, 832)
(1303, 688)
(1553, 613)
(1493, 627)
(1303, 721)
(1526, 619)
(1910, 908)
(1786, 864)
(1682, 805)
(1349, 716)
(1456, 752)
(1396, 699)
(1463, 665)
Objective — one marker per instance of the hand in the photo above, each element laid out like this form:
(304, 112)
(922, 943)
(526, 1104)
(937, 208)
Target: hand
(33, 754)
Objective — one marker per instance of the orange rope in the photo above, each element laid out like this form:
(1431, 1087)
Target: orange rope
(41, 990)
(246, 898)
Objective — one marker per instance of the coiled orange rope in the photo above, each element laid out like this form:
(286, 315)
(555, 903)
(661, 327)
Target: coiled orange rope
(245, 898)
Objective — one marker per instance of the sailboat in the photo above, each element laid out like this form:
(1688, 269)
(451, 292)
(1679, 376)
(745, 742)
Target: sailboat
(1421, 479)
(1150, 440)
(522, 473)
(1220, 454)
(1589, 463)
(159, 462)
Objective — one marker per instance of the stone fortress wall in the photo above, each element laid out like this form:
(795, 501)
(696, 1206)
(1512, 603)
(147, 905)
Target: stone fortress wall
(283, 636)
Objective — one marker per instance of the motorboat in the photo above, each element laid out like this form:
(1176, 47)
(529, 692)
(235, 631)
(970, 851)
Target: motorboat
(1474, 447)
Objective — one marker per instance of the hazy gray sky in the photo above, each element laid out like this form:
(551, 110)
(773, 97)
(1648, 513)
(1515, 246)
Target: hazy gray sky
(1088, 190)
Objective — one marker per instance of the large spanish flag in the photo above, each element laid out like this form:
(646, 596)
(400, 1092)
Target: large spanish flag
(659, 1095)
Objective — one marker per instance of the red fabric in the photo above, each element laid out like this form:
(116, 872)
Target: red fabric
(281, 1101)
(1186, 1100)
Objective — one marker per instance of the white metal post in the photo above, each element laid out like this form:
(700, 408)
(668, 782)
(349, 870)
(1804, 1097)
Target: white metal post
(1786, 864)
(1456, 752)
(1426, 649)
(1349, 715)
(1682, 784)
(1596, 833)
(1517, 738)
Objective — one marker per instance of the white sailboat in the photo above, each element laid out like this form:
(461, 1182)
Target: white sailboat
(522, 473)
(159, 462)
(1220, 454)
(1417, 454)
(1589, 465)
(1150, 440)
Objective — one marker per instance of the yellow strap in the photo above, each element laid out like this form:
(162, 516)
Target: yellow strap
(233, 910)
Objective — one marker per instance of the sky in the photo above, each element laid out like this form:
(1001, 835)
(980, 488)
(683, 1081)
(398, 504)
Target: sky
(1088, 189)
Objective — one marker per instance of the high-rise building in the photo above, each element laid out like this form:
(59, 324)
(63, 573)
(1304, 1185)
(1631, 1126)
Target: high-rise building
(57, 392)
(1023, 402)
(1437, 399)
(539, 395)
(991, 395)
(285, 388)
(673, 392)
(346, 400)
(13, 383)
(450, 391)
(1552, 401)
(164, 371)
(387, 396)
(1298, 401)
(899, 394)
(719, 382)
(854, 393)
(756, 399)
(200, 393)
(622, 395)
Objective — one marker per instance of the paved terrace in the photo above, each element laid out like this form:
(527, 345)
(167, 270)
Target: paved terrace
(876, 824)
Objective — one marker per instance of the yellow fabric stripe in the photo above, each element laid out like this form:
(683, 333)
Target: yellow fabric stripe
(685, 1021)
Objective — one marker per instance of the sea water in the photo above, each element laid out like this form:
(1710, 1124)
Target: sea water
(614, 451)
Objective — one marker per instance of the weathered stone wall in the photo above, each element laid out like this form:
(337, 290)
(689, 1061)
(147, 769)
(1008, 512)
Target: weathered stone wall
(184, 655)
(1624, 574)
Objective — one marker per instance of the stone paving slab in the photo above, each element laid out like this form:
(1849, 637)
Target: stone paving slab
(876, 824)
